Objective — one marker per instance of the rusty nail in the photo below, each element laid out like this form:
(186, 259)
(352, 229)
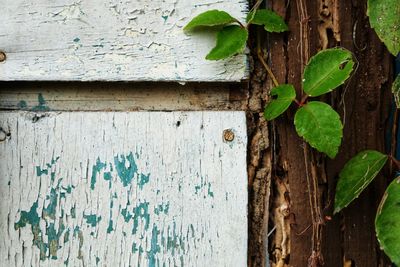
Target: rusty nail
(2, 56)
(229, 135)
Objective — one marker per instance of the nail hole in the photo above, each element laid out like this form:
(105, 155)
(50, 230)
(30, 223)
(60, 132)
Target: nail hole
(178, 123)
(2, 56)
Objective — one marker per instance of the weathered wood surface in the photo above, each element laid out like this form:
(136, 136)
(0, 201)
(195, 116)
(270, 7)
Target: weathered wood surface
(122, 189)
(76, 96)
(113, 40)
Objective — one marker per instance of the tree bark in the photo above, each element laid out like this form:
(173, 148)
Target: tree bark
(298, 172)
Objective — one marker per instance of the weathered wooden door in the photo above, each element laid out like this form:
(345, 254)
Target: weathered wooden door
(119, 174)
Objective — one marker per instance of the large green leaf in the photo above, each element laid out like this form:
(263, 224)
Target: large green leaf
(327, 70)
(396, 90)
(209, 19)
(384, 17)
(356, 175)
(271, 21)
(285, 95)
(387, 222)
(320, 126)
(231, 40)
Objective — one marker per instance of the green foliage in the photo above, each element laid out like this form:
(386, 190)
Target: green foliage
(271, 21)
(384, 17)
(320, 126)
(231, 40)
(209, 19)
(285, 95)
(396, 90)
(387, 222)
(327, 70)
(356, 175)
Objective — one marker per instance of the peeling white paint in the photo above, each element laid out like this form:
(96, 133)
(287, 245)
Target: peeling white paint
(123, 189)
(146, 33)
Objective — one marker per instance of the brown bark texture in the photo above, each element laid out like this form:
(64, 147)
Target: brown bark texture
(297, 213)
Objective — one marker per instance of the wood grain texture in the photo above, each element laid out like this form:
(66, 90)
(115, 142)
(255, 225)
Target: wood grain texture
(123, 189)
(114, 40)
(77, 96)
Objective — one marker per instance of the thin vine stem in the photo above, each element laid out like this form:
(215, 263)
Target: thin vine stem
(267, 68)
(393, 141)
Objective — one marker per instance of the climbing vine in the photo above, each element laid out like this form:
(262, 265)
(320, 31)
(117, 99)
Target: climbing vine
(315, 121)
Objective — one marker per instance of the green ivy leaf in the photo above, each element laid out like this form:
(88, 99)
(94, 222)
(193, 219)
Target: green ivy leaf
(285, 95)
(320, 126)
(356, 175)
(209, 19)
(271, 21)
(387, 222)
(384, 17)
(231, 40)
(327, 70)
(396, 90)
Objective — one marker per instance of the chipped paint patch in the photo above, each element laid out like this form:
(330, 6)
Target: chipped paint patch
(70, 207)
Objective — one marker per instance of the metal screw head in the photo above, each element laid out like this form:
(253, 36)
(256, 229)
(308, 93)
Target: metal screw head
(228, 135)
(2, 56)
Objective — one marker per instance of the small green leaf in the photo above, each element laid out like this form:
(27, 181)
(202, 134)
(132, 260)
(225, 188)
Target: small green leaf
(396, 90)
(387, 222)
(271, 21)
(320, 126)
(384, 17)
(231, 40)
(327, 70)
(209, 19)
(285, 95)
(356, 175)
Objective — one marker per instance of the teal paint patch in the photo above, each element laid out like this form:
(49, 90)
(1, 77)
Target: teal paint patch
(110, 226)
(210, 193)
(126, 214)
(154, 247)
(40, 171)
(22, 104)
(92, 219)
(143, 179)
(125, 173)
(162, 208)
(97, 260)
(50, 210)
(73, 212)
(76, 40)
(141, 212)
(95, 171)
(41, 104)
(32, 217)
(110, 221)
(48, 166)
(165, 18)
(107, 176)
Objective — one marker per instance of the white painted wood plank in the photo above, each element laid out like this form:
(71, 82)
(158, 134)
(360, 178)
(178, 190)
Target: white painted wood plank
(123, 189)
(130, 40)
